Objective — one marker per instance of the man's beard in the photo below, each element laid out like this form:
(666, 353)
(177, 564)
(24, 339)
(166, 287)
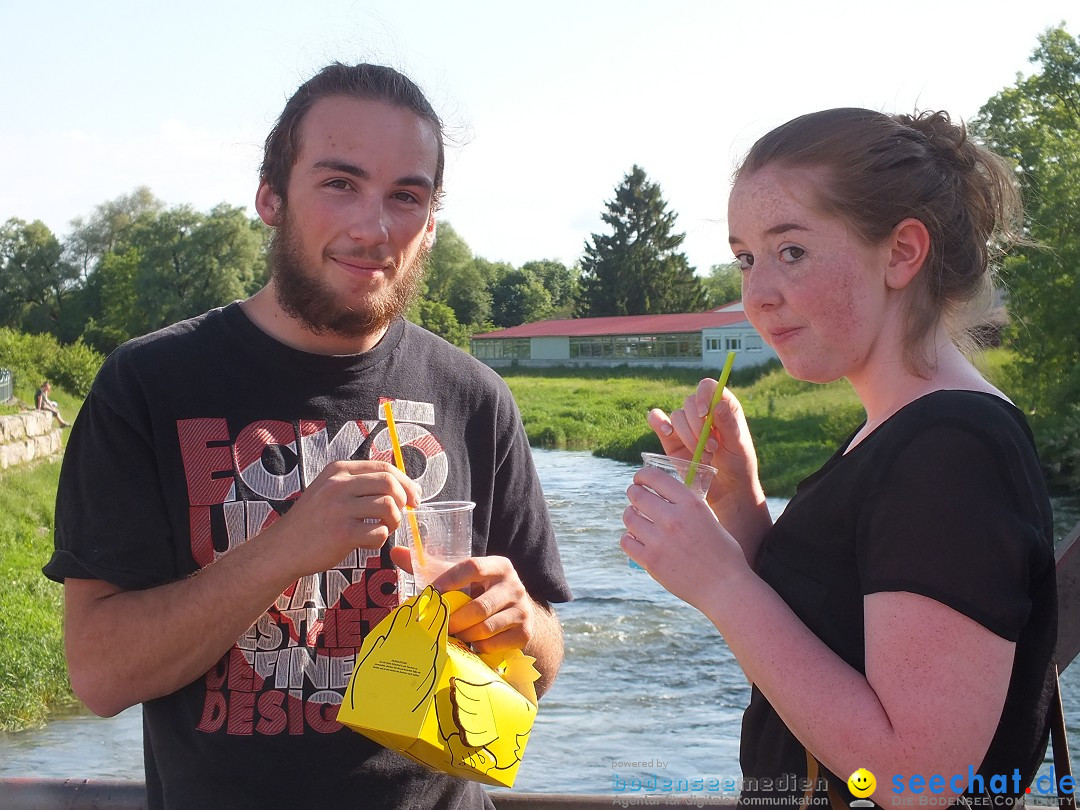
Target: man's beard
(304, 296)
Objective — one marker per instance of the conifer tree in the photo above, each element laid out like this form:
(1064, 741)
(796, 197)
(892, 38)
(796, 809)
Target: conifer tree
(638, 269)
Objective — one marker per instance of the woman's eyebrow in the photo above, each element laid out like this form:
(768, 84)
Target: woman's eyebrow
(775, 230)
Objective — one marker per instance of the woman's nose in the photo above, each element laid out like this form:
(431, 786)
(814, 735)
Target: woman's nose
(760, 291)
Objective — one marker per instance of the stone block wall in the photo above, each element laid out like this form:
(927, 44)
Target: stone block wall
(28, 436)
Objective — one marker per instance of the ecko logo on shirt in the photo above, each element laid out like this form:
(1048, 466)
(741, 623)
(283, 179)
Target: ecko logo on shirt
(288, 672)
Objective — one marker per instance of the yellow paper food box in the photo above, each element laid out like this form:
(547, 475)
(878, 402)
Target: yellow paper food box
(428, 696)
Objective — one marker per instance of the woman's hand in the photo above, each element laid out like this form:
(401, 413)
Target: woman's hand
(675, 536)
(736, 495)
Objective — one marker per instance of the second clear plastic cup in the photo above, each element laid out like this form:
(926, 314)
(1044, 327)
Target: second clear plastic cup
(445, 534)
(680, 468)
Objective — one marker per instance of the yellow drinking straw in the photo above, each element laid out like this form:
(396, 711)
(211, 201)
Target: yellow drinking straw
(399, 462)
(707, 427)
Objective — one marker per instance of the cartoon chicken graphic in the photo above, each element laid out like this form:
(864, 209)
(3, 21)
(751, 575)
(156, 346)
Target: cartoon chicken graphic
(418, 691)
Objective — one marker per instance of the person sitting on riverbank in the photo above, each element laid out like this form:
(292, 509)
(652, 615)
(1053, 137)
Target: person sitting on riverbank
(900, 615)
(227, 494)
(43, 403)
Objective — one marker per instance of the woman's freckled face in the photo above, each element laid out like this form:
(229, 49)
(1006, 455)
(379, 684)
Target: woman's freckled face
(812, 288)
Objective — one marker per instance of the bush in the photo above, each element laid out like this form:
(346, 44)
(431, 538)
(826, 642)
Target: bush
(74, 367)
(27, 356)
(1059, 449)
(34, 358)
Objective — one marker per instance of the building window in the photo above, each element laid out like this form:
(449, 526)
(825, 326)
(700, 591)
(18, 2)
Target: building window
(733, 344)
(712, 344)
(753, 343)
(636, 347)
(591, 347)
(499, 348)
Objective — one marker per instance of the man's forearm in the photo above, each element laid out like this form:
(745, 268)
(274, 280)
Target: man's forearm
(546, 646)
(182, 628)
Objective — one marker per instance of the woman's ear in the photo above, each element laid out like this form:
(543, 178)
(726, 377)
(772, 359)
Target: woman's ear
(909, 244)
(269, 204)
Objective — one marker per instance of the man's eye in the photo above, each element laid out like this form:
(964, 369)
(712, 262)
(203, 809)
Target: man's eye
(338, 183)
(745, 260)
(792, 254)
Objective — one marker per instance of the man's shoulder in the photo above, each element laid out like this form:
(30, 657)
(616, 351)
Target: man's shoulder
(172, 338)
(441, 351)
(163, 351)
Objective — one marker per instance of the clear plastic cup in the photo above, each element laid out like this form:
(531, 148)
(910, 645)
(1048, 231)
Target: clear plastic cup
(445, 534)
(680, 468)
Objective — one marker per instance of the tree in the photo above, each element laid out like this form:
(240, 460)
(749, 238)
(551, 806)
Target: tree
(562, 283)
(1036, 124)
(450, 256)
(723, 284)
(638, 269)
(519, 297)
(103, 232)
(458, 279)
(439, 318)
(468, 295)
(36, 282)
(172, 264)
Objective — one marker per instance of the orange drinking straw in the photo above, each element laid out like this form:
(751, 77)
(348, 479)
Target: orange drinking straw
(399, 462)
(706, 429)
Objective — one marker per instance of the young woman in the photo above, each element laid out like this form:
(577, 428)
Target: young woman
(900, 616)
(43, 403)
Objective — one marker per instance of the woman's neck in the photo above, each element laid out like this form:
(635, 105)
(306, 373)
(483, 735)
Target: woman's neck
(889, 387)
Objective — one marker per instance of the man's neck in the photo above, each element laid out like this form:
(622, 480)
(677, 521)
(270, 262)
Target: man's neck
(265, 312)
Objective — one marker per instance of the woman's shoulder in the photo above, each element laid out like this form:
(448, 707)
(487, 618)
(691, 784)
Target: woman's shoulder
(962, 429)
(950, 424)
(980, 411)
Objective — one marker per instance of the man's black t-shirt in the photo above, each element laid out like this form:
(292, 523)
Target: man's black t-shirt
(195, 438)
(945, 499)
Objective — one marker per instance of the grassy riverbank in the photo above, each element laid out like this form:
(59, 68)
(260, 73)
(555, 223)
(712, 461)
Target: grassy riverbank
(33, 678)
(795, 425)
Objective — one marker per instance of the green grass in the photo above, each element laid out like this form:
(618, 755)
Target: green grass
(33, 675)
(796, 425)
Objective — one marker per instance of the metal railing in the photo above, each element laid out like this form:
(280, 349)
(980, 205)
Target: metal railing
(7, 385)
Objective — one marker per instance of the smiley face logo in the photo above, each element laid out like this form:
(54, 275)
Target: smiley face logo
(861, 783)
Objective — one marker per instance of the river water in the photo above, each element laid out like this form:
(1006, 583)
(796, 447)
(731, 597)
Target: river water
(647, 679)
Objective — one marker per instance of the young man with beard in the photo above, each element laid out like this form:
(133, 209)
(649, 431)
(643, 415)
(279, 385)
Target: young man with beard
(228, 493)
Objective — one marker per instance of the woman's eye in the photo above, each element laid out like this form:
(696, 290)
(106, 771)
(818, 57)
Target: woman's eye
(792, 254)
(745, 260)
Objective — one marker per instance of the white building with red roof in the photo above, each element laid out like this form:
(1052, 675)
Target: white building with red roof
(690, 339)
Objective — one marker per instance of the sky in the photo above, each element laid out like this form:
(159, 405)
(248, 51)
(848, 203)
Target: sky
(547, 105)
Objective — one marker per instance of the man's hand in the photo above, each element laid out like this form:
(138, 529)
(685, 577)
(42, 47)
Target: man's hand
(350, 505)
(502, 616)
